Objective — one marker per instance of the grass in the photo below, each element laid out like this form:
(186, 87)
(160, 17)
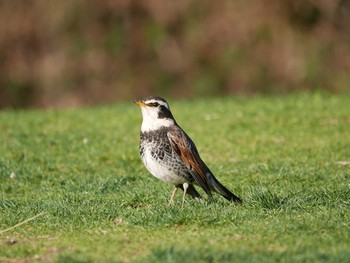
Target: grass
(287, 157)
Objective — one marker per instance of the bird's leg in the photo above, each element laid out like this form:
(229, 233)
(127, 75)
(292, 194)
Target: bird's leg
(185, 186)
(171, 201)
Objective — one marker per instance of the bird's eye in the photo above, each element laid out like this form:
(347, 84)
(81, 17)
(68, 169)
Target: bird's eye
(153, 104)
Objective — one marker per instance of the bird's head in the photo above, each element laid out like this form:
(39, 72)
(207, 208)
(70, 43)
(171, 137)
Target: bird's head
(155, 113)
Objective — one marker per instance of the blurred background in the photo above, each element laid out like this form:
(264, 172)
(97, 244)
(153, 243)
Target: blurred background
(85, 52)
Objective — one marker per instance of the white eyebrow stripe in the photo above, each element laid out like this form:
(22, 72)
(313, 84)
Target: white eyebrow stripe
(158, 101)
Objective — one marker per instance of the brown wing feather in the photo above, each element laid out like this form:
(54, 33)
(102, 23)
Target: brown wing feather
(186, 149)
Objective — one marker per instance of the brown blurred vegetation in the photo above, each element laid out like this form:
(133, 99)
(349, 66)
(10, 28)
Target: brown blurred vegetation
(81, 52)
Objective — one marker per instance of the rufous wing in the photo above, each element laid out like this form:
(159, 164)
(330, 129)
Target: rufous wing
(186, 149)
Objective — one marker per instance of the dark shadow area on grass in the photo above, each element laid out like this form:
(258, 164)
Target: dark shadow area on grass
(69, 259)
(266, 199)
(172, 254)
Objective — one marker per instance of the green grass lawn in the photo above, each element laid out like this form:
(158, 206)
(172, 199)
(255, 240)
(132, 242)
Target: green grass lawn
(287, 157)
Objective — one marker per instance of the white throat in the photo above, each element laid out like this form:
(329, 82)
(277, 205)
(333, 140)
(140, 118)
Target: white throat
(151, 121)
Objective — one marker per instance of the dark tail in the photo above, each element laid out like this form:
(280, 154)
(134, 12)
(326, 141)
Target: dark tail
(216, 186)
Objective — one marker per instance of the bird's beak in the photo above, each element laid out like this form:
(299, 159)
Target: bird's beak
(140, 103)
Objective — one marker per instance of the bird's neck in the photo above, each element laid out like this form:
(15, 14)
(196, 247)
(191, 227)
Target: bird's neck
(155, 124)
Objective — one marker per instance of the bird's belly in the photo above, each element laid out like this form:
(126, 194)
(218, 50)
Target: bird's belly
(163, 170)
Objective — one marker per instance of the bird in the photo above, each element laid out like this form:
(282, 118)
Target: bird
(170, 155)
